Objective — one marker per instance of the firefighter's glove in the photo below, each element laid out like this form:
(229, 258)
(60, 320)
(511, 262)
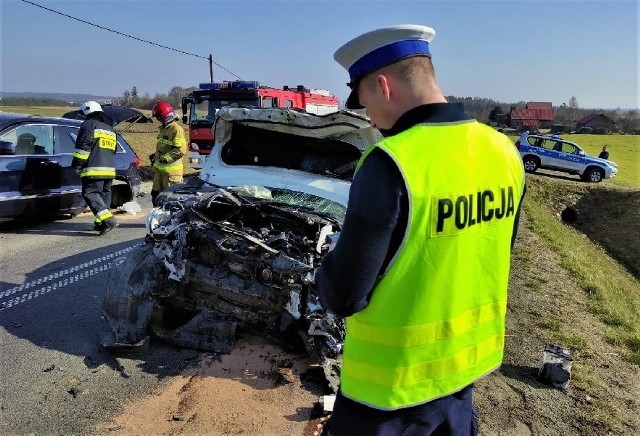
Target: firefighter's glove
(165, 158)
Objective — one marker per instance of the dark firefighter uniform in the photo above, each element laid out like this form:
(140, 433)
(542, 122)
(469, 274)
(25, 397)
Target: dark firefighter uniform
(94, 158)
(425, 300)
(170, 149)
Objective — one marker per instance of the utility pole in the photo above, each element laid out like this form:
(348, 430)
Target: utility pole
(211, 68)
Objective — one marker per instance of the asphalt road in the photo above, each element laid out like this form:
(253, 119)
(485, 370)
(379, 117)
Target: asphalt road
(55, 378)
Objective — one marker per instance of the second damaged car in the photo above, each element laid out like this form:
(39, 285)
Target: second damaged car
(237, 246)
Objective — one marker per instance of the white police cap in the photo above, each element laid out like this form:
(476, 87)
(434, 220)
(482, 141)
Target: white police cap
(375, 49)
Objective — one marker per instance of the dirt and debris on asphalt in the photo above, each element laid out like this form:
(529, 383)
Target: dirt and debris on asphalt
(257, 389)
(260, 390)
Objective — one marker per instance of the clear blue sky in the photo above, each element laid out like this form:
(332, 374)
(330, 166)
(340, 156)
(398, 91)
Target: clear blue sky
(505, 50)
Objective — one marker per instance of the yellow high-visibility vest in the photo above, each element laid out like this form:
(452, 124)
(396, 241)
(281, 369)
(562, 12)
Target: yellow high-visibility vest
(436, 319)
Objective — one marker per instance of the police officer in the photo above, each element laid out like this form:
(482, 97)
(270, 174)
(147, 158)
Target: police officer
(421, 267)
(604, 154)
(93, 159)
(170, 148)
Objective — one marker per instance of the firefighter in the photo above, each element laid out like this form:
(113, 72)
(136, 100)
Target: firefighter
(93, 160)
(421, 267)
(170, 148)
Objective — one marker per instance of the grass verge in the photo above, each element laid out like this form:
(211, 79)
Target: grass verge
(613, 293)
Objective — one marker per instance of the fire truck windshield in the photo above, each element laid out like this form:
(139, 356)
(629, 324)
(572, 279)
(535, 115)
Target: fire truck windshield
(204, 112)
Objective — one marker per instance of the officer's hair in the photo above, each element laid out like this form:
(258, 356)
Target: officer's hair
(415, 71)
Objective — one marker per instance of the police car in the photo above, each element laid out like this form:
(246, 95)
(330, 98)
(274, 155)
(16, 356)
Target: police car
(554, 153)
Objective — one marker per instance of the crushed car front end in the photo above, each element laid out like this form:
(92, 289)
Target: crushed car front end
(237, 247)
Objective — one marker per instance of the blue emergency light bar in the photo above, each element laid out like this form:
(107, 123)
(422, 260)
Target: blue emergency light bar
(238, 84)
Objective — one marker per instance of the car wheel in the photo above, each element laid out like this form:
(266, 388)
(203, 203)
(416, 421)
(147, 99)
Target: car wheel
(594, 175)
(531, 164)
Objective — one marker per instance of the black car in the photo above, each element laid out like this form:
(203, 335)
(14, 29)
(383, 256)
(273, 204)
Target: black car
(36, 178)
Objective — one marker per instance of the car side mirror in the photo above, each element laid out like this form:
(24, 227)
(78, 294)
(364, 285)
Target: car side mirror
(184, 119)
(7, 148)
(582, 153)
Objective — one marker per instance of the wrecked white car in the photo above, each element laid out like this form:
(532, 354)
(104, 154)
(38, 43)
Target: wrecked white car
(237, 247)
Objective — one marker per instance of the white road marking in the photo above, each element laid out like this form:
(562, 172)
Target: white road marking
(66, 277)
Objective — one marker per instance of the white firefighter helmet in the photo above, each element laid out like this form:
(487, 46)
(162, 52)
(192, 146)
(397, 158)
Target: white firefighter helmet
(89, 107)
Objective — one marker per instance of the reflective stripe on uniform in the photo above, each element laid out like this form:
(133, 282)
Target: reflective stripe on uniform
(105, 172)
(165, 141)
(169, 166)
(81, 154)
(103, 215)
(412, 336)
(177, 142)
(471, 359)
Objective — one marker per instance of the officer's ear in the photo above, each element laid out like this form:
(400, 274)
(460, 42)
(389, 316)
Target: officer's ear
(384, 86)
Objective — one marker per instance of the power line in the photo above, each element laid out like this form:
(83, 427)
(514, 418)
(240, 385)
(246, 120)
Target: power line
(131, 36)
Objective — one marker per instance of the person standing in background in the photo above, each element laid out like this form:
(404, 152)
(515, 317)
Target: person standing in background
(604, 154)
(170, 148)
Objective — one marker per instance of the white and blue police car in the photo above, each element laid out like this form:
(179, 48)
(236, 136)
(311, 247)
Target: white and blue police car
(554, 153)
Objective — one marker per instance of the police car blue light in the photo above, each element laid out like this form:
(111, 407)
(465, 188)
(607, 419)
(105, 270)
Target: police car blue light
(555, 153)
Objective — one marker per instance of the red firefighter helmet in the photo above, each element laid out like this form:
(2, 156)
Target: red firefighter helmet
(161, 110)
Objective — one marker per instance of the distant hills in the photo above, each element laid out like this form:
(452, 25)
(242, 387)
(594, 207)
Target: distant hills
(71, 98)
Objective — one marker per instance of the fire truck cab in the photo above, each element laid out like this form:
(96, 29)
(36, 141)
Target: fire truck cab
(200, 107)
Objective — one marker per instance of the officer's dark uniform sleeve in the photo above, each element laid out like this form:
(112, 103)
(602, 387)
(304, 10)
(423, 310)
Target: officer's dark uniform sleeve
(348, 274)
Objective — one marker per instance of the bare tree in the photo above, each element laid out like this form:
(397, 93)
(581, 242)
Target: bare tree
(573, 109)
(135, 100)
(630, 122)
(175, 96)
(126, 98)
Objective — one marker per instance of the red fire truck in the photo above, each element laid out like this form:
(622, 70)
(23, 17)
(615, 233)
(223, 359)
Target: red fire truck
(199, 108)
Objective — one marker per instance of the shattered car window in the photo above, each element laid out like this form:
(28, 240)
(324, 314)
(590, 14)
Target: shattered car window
(291, 198)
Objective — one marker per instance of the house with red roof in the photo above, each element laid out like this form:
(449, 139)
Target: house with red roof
(535, 115)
